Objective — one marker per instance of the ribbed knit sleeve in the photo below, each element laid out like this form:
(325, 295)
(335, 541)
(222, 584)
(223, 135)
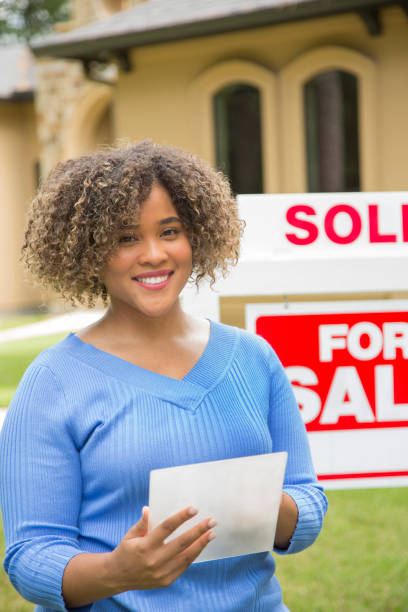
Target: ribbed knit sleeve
(40, 489)
(289, 434)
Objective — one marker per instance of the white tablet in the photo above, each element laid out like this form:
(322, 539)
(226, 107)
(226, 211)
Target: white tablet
(241, 494)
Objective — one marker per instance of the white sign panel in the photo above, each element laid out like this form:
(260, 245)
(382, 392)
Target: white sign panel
(334, 224)
(313, 244)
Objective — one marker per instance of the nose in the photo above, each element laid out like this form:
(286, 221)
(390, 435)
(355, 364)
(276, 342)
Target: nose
(152, 252)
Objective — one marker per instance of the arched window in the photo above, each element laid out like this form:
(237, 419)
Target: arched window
(362, 72)
(238, 136)
(331, 126)
(91, 123)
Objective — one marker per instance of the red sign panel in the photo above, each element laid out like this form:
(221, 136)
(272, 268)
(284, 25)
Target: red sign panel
(348, 370)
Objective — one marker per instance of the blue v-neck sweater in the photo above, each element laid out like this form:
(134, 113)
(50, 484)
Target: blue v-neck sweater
(82, 434)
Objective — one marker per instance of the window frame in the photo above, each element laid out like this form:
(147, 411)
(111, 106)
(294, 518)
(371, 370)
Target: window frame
(233, 72)
(291, 81)
(226, 137)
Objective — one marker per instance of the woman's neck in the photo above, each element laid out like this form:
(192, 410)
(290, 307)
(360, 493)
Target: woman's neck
(170, 344)
(125, 324)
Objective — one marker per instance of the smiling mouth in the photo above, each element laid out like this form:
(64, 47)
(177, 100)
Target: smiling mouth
(152, 280)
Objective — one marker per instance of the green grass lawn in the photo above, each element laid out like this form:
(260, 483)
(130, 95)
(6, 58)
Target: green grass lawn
(18, 320)
(359, 563)
(14, 358)
(10, 600)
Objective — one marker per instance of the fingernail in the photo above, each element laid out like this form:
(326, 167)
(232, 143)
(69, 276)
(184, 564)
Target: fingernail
(211, 536)
(212, 523)
(192, 511)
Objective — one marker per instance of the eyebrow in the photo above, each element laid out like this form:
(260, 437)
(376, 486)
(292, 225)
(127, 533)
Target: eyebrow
(161, 222)
(169, 220)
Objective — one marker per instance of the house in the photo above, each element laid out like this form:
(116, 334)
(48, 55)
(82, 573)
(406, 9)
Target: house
(283, 95)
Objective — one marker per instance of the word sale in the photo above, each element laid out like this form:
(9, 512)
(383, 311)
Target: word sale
(363, 367)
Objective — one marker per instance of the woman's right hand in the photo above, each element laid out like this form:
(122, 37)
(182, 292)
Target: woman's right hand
(144, 560)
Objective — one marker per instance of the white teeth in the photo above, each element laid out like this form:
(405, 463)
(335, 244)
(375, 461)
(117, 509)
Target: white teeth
(153, 280)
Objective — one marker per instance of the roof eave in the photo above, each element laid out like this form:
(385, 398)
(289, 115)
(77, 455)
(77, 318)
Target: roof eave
(102, 47)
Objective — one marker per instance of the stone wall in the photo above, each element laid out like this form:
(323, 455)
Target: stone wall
(60, 85)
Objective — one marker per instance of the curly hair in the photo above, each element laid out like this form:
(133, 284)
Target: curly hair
(74, 220)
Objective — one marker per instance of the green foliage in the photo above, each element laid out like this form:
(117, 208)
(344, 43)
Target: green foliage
(23, 19)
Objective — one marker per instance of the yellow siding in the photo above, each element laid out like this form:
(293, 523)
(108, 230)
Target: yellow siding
(18, 155)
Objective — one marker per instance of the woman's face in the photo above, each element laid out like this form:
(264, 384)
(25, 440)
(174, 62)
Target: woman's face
(153, 261)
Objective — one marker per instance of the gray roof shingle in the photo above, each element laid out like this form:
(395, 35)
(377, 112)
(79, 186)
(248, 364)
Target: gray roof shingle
(17, 77)
(155, 14)
(156, 21)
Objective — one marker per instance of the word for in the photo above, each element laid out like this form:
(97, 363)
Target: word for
(295, 216)
(386, 339)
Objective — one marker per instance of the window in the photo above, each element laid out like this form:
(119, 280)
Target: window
(331, 126)
(238, 136)
(37, 174)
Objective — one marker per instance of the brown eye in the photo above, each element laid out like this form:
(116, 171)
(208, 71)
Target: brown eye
(171, 231)
(127, 238)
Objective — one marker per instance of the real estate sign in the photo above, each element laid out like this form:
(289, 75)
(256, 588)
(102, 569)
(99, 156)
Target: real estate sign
(319, 258)
(348, 364)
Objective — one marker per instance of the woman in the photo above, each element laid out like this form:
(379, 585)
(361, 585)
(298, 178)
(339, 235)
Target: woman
(147, 386)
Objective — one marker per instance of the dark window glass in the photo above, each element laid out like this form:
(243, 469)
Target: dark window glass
(37, 173)
(331, 120)
(238, 137)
